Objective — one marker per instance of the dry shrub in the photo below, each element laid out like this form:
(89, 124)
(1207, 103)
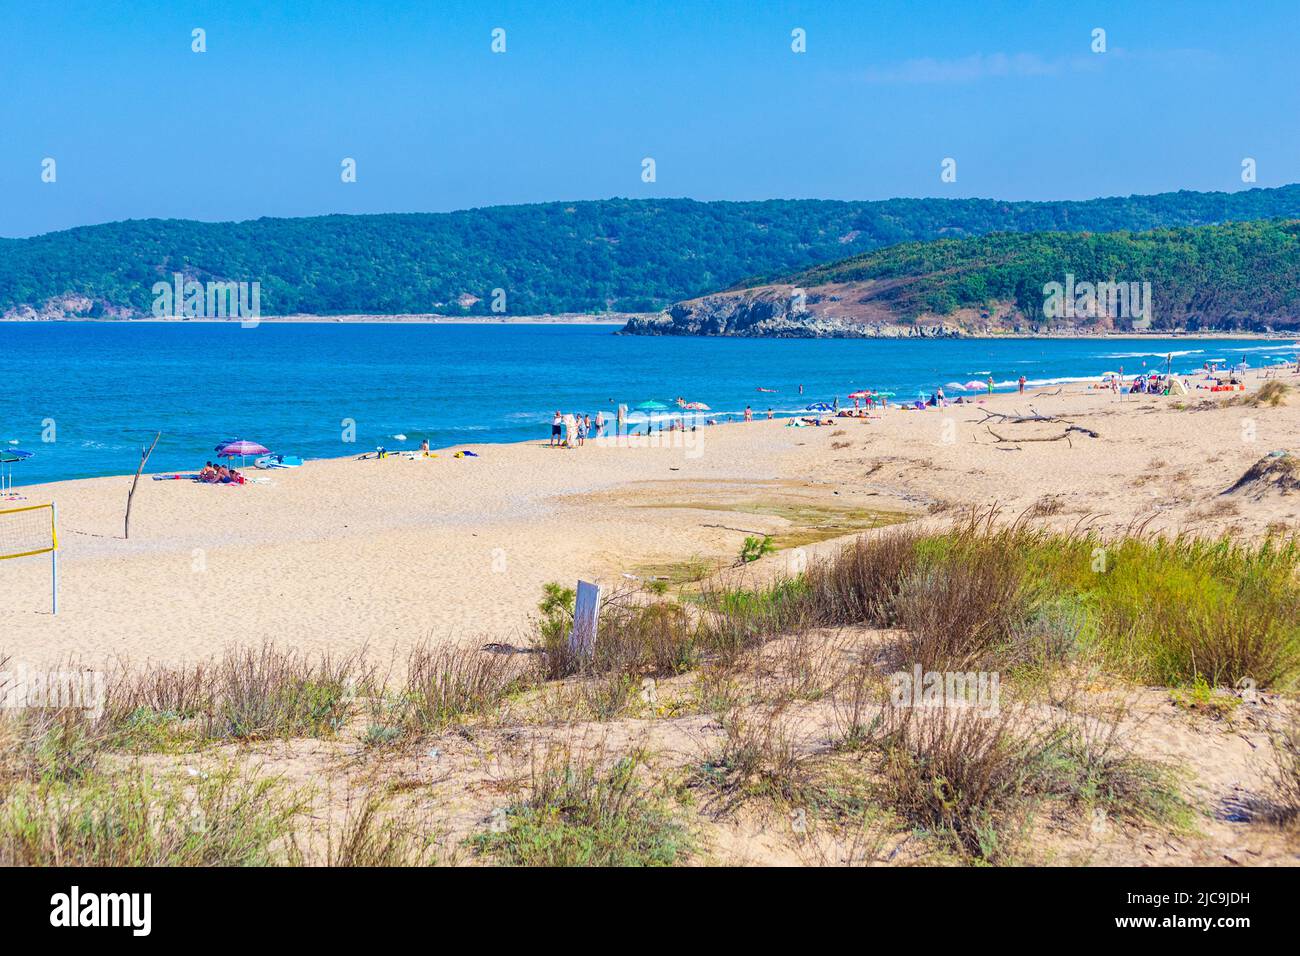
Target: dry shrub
(737, 620)
(1284, 805)
(859, 585)
(760, 756)
(374, 835)
(962, 773)
(445, 684)
(633, 636)
(581, 811)
(267, 693)
(964, 613)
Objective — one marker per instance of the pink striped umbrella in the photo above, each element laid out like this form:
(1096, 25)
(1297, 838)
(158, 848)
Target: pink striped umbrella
(242, 448)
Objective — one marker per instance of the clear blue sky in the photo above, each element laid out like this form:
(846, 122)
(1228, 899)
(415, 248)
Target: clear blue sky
(140, 126)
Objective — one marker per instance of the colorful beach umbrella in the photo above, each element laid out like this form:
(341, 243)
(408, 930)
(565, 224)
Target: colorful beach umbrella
(240, 447)
(974, 386)
(861, 393)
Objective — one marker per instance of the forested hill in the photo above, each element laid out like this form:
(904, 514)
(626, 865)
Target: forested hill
(618, 254)
(1225, 277)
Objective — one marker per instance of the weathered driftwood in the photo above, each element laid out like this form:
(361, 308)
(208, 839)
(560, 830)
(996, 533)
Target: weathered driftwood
(1018, 419)
(1064, 435)
(144, 457)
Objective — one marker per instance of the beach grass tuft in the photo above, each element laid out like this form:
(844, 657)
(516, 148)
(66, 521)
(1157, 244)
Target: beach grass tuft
(579, 813)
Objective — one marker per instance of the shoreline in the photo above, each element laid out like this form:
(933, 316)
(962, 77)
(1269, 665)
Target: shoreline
(358, 319)
(605, 320)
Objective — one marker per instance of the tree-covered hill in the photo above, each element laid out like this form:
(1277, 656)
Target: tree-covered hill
(618, 254)
(1230, 276)
(1233, 275)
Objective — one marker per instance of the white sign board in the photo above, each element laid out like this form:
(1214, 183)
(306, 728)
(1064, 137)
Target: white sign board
(586, 613)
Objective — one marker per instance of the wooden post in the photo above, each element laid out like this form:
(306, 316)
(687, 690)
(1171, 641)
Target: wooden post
(144, 457)
(586, 615)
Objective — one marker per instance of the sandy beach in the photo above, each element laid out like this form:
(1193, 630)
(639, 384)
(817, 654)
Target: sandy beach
(342, 554)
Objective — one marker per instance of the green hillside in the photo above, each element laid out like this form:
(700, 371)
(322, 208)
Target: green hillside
(1234, 275)
(618, 254)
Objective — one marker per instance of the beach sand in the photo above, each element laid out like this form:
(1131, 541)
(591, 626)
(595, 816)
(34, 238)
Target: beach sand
(342, 554)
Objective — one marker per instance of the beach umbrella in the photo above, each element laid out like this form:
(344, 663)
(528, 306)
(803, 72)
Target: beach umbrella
(653, 406)
(7, 457)
(956, 385)
(242, 448)
(818, 407)
(974, 386)
(697, 407)
(861, 393)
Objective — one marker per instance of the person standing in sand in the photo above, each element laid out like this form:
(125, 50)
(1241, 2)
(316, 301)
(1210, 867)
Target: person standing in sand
(991, 383)
(1021, 384)
(557, 428)
(600, 424)
(749, 414)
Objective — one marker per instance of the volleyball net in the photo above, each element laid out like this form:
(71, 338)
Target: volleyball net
(32, 530)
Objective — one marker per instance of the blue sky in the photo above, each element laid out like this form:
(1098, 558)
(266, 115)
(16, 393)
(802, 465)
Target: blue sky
(141, 126)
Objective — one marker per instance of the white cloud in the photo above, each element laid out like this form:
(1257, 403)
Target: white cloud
(978, 66)
(982, 66)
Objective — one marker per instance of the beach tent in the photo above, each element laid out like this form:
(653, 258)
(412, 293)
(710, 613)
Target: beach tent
(1176, 386)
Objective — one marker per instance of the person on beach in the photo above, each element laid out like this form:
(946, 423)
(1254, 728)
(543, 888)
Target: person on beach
(557, 428)
(770, 416)
(1020, 383)
(991, 383)
(938, 397)
(749, 414)
(208, 473)
(586, 426)
(424, 447)
(600, 424)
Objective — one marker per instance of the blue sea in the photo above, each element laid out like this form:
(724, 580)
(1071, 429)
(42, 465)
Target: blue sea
(107, 388)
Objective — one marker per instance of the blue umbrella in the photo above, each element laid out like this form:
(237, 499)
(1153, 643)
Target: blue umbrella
(819, 407)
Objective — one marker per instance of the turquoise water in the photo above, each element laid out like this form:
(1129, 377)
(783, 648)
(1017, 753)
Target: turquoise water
(109, 387)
